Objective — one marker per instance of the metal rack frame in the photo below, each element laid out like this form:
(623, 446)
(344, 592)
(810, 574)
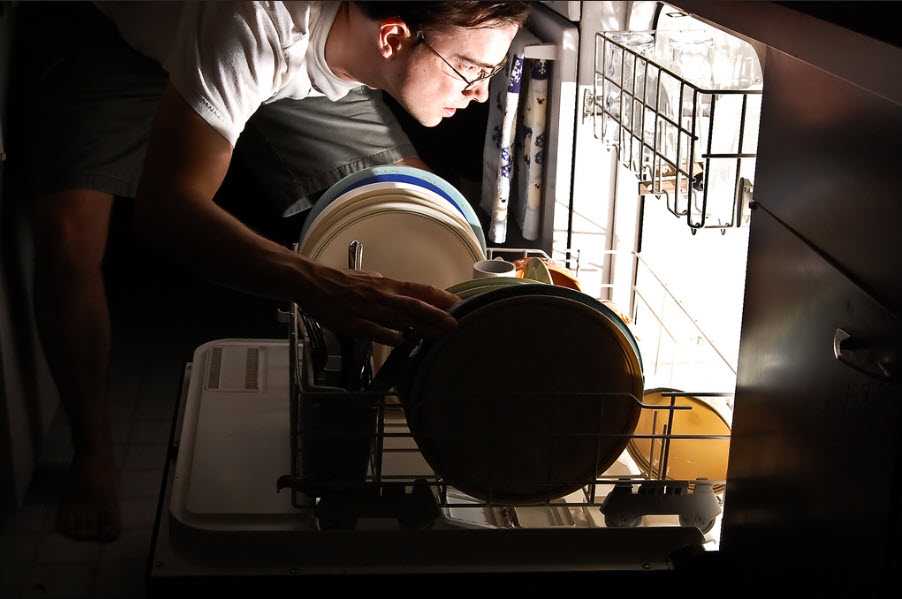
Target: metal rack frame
(650, 161)
(305, 342)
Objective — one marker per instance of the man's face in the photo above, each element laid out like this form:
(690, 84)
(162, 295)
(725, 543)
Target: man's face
(430, 89)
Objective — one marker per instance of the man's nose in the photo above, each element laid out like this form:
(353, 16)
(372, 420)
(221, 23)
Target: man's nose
(479, 91)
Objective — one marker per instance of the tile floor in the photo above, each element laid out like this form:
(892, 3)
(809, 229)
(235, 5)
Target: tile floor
(160, 314)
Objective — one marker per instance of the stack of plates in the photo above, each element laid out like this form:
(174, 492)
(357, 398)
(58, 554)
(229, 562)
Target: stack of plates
(533, 396)
(413, 224)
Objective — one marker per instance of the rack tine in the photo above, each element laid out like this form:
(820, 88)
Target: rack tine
(355, 255)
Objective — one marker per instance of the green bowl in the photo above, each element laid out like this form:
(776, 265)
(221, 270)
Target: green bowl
(474, 287)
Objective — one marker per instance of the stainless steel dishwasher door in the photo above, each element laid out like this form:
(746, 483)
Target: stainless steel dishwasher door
(815, 445)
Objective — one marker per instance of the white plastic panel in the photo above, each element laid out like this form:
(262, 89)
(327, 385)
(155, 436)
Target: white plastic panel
(234, 442)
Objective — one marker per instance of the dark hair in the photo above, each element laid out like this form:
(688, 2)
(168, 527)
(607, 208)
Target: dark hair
(438, 15)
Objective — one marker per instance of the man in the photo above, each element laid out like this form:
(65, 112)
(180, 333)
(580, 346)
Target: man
(230, 67)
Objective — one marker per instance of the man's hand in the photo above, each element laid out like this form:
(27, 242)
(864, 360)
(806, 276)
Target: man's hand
(414, 162)
(366, 305)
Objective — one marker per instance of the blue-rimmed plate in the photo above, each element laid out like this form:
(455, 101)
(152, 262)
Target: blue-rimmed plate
(399, 174)
(366, 196)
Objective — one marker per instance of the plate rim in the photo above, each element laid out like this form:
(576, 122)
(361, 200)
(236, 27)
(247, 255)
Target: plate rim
(557, 290)
(392, 192)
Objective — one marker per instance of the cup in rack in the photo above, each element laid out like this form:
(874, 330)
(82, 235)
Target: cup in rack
(485, 269)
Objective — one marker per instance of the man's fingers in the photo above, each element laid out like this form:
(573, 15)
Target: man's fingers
(365, 274)
(365, 304)
(370, 330)
(431, 295)
(397, 312)
(401, 305)
(424, 317)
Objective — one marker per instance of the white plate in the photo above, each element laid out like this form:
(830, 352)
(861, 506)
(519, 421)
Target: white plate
(402, 241)
(351, 196)
(374, 201)
(366, 195)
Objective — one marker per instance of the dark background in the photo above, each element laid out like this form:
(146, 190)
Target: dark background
(453, 149)
(875, 19)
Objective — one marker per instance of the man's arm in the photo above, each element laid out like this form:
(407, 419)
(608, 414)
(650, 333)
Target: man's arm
(185, 165)
(415, 162)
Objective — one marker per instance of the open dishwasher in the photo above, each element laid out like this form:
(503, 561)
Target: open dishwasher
(658, 224)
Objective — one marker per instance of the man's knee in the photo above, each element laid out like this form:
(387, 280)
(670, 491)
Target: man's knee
(70, 230)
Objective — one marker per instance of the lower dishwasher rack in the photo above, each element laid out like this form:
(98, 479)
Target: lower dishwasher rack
(398, 490)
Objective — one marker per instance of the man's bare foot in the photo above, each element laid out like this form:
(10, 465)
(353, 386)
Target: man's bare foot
(89, 510)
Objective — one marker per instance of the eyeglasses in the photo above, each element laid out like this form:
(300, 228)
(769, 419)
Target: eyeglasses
(484, 73)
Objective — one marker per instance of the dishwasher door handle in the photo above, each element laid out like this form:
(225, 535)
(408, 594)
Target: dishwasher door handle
(877, 357)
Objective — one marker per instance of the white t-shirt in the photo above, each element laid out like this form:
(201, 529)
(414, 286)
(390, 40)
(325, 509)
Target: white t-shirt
(228, 58)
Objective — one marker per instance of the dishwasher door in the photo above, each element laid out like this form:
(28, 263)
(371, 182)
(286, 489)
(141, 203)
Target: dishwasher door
(813, 484)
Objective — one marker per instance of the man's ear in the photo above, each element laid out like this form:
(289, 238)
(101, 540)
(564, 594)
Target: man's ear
(394, 37)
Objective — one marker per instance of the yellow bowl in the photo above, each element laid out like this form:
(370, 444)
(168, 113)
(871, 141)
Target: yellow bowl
(560, 276)
(688, 459)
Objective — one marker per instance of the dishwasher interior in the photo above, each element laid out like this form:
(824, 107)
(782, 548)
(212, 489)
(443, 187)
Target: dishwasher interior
(666, 145)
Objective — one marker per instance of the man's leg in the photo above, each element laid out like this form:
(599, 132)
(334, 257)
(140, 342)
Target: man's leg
(73, 319)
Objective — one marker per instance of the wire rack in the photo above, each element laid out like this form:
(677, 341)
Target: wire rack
(367, 433)
(668, 131)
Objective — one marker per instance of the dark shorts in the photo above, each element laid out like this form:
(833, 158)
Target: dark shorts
(94, 98)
